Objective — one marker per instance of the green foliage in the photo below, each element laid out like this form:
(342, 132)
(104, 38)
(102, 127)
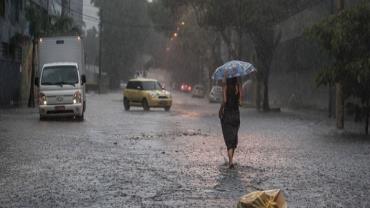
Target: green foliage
(225, 17)
(346, 37)
(125, 30)
(164, 17)
(43, 24)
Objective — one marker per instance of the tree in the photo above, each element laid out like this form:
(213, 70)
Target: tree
(188, 53)
(125, 29)
(254, 17)
(92, 46)
(346, 38)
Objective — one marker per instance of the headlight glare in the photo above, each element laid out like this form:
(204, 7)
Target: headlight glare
(42, 99)
(77, 98)
(153, 95)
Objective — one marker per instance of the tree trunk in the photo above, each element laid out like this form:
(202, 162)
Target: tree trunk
(258, 94)
(340, 5)
(31, 99)
(266, 105)
(367, 118)
(227, 39)
(330, 103)
(339, 106)
(339, 103)
(265, 47)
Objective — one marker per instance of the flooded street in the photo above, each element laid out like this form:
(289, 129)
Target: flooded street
(118, 158)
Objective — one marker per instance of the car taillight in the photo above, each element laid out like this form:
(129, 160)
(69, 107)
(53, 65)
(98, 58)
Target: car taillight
(42, 99)
(77, 98)
(189, 88)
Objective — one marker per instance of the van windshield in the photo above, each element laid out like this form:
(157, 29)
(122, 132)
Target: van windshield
(59, 75)
(152, 85)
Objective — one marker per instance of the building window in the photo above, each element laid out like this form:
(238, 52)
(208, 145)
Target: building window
(11, 52)
(5, 50)
(18, 54)
(2, 8)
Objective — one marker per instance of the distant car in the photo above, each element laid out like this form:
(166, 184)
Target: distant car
(186, 88)
(198, 91)
(215, 96)
(146, 93)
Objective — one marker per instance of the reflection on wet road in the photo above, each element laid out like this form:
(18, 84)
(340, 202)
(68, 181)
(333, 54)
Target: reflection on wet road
(176, 159)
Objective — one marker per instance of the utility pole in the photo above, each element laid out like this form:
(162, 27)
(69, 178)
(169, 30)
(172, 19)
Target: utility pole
(64, 8)
(31, 98)
(100, 50)
(339, 100)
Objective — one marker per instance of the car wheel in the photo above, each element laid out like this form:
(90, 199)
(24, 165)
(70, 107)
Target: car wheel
(167, 108)
(84, 106)
(146, 105)
(126, 104)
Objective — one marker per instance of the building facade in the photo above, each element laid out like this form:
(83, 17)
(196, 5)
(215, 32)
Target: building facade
(16, 45)
(14, 33)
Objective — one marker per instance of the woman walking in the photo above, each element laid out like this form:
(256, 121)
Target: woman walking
(230, 116)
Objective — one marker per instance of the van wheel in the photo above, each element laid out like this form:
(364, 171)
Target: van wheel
(146, 105)
(81, 117)
(126, 104)
(167, 108)
(42, 118)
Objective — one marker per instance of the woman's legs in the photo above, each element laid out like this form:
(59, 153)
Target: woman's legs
(230, 154)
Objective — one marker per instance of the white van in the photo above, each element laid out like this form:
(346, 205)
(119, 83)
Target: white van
(61, 79)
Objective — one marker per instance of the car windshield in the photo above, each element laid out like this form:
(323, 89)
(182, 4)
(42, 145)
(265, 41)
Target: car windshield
(56, 75)
(152, 85)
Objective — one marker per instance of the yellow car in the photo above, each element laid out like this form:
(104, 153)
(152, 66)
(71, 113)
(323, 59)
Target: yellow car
(146, 93)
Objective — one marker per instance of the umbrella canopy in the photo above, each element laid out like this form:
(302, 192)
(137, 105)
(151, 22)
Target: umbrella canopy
(233, 69)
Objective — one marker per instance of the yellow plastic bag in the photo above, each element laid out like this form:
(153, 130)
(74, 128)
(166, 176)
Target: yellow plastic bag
(263, 199)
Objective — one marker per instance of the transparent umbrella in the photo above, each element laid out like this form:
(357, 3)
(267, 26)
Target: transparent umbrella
(233, 69)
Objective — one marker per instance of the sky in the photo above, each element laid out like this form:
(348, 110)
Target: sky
(91, 17)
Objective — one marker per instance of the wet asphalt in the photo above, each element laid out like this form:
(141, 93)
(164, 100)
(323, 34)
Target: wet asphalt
(178, 158)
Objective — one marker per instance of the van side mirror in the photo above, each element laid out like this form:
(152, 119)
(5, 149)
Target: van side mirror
(37, 81)
(83, 79)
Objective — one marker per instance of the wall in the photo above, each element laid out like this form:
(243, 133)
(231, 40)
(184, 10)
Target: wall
(13, 29)
(297, 61)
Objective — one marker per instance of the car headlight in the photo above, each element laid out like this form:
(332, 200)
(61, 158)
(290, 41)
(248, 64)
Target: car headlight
(153, 94)
(169, 95)
(77, 98)
(42, 99)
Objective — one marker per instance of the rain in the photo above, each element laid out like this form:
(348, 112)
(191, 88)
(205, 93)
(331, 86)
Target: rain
(184, 103)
